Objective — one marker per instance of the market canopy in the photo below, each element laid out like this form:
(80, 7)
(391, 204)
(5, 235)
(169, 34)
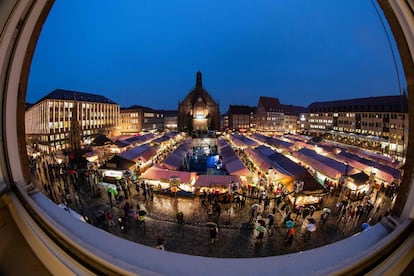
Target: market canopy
(383, 172)
(325, 165)
(265, 151)
(118, 163)
(165, 138)
(280, 144)
(267, 166)
(156, 173)
(377, 157)
(173, 162)
(263, 163)
(149, 153)
(161, 139)
(137, 153)
(212, 180)
(236, 167)
(260, 137)
(101, 140)
(139, 139)
(360, 178)
(298, 173)
(243, 141)
(121, 144)
(227, 153)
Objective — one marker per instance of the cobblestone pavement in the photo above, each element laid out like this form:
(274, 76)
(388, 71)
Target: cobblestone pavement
(236, 237)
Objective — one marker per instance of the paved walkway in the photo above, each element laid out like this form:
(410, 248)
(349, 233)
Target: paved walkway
(236, 238)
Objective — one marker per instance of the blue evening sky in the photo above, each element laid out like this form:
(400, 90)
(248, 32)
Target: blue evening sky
(147, 52)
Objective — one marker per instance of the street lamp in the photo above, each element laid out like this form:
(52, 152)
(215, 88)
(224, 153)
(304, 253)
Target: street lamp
(174, 182)
(268, 175)
(372, 179)
(346, 168)
(344, 181)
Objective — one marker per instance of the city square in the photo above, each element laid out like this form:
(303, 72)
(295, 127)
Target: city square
(258, 181)
(208, 138)
(238, 230)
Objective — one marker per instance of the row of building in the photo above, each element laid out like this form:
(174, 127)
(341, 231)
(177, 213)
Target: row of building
(379, 120)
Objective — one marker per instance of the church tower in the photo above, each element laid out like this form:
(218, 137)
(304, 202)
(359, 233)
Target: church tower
(199, 85)
(198, 111)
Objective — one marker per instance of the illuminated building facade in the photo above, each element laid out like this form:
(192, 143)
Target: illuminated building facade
(379, 120)
(291, 117)
(170, 119)
(48, 122)
(272, 116)
(240, 117)
(198, 111)
(269, 115)
(137, 118)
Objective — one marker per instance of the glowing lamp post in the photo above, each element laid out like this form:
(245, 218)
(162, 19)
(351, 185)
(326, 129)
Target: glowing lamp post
(174, 182)
(372, 179)
(344, 181)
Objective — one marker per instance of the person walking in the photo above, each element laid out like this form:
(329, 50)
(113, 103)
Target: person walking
(142, 221)
(291, 234)
(110, 220)
(218, 210)
(213, 234)
(110, 197)
(311, 227)
(271, 220)
(160, 243)
(260, 236)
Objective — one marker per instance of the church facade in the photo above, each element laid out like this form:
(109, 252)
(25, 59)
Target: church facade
(198, 111)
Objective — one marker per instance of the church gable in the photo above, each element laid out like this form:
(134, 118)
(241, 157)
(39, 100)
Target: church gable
(198, 111)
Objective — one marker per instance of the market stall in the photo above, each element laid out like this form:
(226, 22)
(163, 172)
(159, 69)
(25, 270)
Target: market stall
(176, 159)
(382, 172)
(302, 186)
(236, 167)
(163, 179)
(242, 141)
(356, 185)
(118, 163)
(215, 184)
(323, 164)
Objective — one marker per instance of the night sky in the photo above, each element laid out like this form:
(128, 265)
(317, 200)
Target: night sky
(147, 52)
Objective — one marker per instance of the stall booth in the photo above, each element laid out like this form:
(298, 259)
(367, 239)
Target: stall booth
(166, 181)
(308, 198)
(305, 191)
(356, 186)
(218, 185)
(113, 170)
(323, 165)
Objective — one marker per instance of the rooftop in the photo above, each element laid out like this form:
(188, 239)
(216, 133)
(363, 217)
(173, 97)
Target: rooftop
(61, 94)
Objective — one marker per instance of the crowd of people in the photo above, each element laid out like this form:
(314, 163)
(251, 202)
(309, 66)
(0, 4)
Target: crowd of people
(64, 186)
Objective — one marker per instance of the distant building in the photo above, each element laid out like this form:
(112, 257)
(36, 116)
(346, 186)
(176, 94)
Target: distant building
(138, 118)
(240, 117)
(291, 117)
(198, 111)
(269, 115)
(170, 119)
(381, 120)
(48, 122)
(224, 121)
(272, 116)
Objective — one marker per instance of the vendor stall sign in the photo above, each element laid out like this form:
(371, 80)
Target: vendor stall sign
(114, 174)
(298, 186)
